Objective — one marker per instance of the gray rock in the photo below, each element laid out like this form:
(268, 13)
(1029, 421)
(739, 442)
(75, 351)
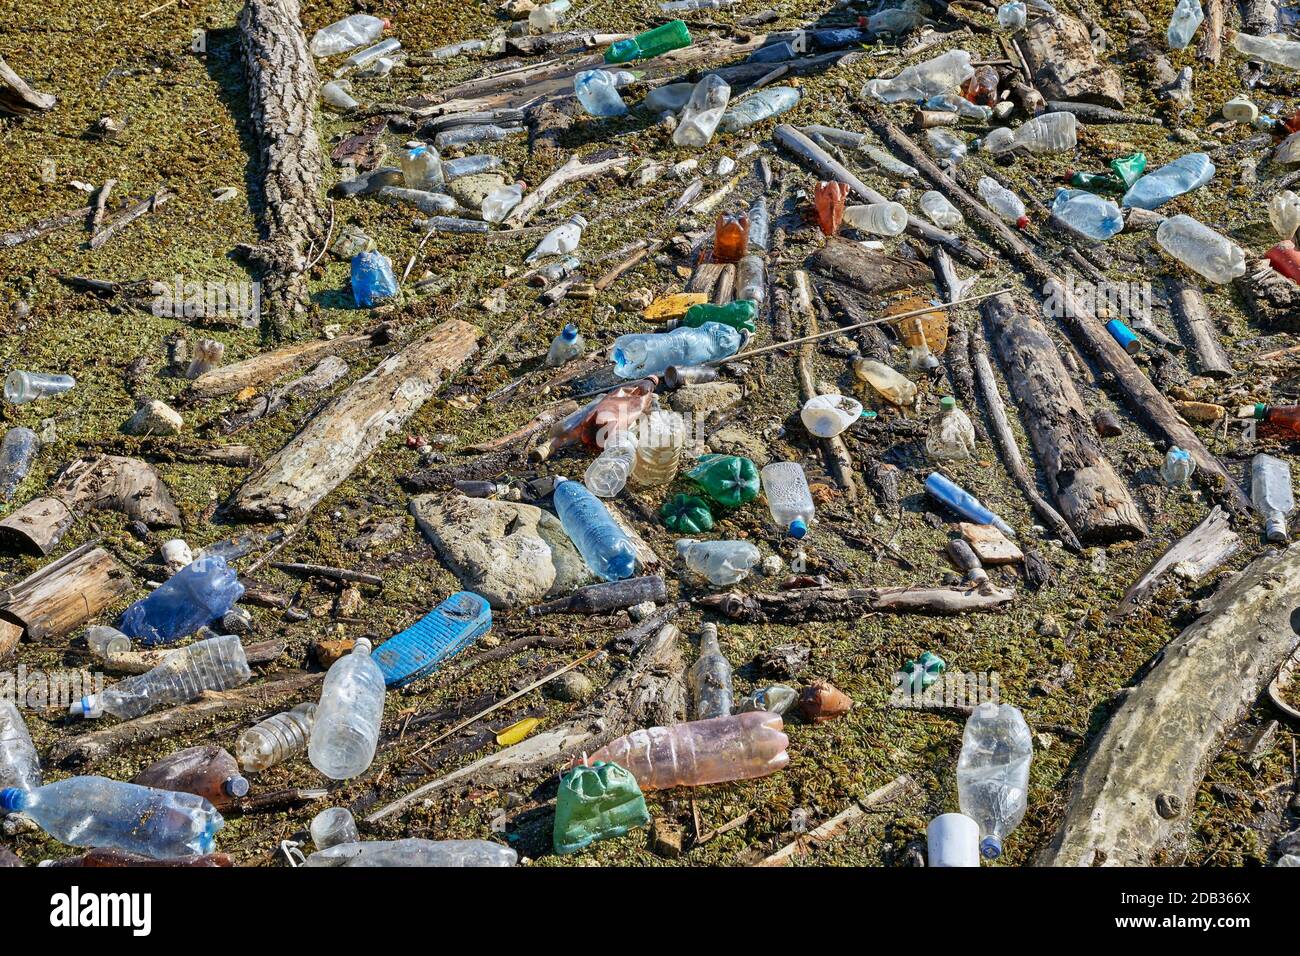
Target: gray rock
(709, 398)
(571, 687)
(736, 441)
(154, 418)
(469, 191)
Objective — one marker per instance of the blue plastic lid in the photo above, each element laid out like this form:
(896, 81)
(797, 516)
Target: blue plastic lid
(11, 799)
(798, 528)
(990, 848)
(570, 332)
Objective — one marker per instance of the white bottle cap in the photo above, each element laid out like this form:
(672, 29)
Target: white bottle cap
(953, 840)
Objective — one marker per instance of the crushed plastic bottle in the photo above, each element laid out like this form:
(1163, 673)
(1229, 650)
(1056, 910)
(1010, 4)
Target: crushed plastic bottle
(1003, 201)
(1044, 134)
(561, 240)
(774, 699)
(276, 739)
(739, 314)
(963, 502)
(650, 353)
(20, 767)
(788, 497)
(372, 279)
(964, 108)
(565, 347)
(940, 211)
(184, 674)
(751, 280)
(1170, 181)
(346, 730)
(982, 86)
(23, 387)
(597, 93)
(415, 852)
(17, 452)
(338, 95)
(827, 415)
(757, 107)
(879, 218)
(951, 436)
(596, 802)
(1088, 214)
(947, 146)
(942, 74)
(347, 34)
(545, 18)
(1283, 213)
(703, 112)
(1012, 16)
(829, 198)
(1276, 49)
(993, 772)
(608, 473)
(201, 592)
(422, 168)
(661, 436)
(671, 36)
(693, 754)
(1177, 468)
(730, 480)
(378, 55)
(1201, 249)
(604, 546)
(893, 386)
(760, 232)
(1187, 17)
(709, 678)
(206, 771)
(720, 562)
(333, 827)
(1272, 495)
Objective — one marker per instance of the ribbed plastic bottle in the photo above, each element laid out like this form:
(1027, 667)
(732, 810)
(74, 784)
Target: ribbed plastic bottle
(993, 772)
(650, 353)
(1003, 201)
(951, 436)
(415, 852)
(346, 731)
(940, 211)
(98, 812)
(1088, 214)
(215, 664)
(1045, 133)
(565, 347)
(703, 112)
(607, 475)
(894, 386)
(347, 34)
(751, 280)
(660, 438)
(721, 563)
(1187, 16)
(756, 107)
(276, 739)
(942, 74)
(701, 752)
(788, 497)
(209, 772)
(17, 452)
(1182, 175)
(604, 546)
(1283, 213)
(1201, 249)
(422, 168)
(201, 592)
(709, 678)
(19, 764)
(333, 827)
(878, 218)
(1272, 495)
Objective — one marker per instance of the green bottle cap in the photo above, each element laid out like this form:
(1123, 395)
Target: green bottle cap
(947, 403)
(1260, 410)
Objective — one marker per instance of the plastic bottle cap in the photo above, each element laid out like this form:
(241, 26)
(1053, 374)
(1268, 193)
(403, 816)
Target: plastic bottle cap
(990, 848)
(1022, 222)
(570, 332)
(579, 219)
(12, 799)
(1260, 410)
(798, 528)
(87, 707)
(236, 787)
(947, 403)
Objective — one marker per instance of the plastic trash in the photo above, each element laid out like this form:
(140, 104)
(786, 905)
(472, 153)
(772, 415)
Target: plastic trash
(1201, 249)
(378, 54)
(201, 592)
(422, 168)
(23, 387)
(953, 839)
(1045, 133)
(1240, 109)
(1088, 214)
(1003, 201)
(1187, 16)
(672, 6)
(739, 314)
(209, 772)
(372, 279)
(982, 86)
(702, 113)
(687, 514)
(423, 200)
(888, 162)
(565, 347)
(20, 766)
(730, 480)
(660, 438)
(947, 146)
(951, 436)
(597, 93)
(184, 674)
(107, 814)
(757, 107)
(561, 240)
(925, 670)
(827, 415)
(604, 546)
(964, 108)
(276, 739)
(545, 17)
(347, 34)
(1272, 495)
(650, 353)
(596, 802)
(701, 752)
(1012, 16)
(605, 416)
(470, 166)
(17, 452)
(730, 237)
(893, 386)
(788, 498)
(1276, 49)
(669, 98)
(1177, 468)
(671, 36)
(775, 699)
(1170, 181)
(719, 562)
(1284, 418)
(460, 136)
(1125, 336)
(419, 650)
(346, 730)
(1283, 213)
(333, 827)
(942, 74)
(709, 678)
(963, 503)
(829, 200)
(104, 642)
(940, 211)
(608, 473)
(751, 280)
(338, 94)
(878, 218)
(993, 772)
(415, 852)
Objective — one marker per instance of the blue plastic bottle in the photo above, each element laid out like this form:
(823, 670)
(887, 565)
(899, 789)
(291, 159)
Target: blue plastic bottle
(603, 544)
(651, 353)
(198, 593)
(1170, 181)
(372, 279)
(1088, 214)
(964, 503)
(108, 814)
(423, 647)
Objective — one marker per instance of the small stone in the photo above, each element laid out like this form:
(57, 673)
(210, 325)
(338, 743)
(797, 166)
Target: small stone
(822, 701)
(639, 612)
(224, 194)
(18, 823)
(772, 565)
(153, 417)
(518, 9)
(470, 191)
(733, 440)
(573, 688)
(236, 621)
(709, 398)
(348, 603)
(666, 839)
(785, 661)
(990, 545)
(1047, 626)
(327, 652)
(1169, 806)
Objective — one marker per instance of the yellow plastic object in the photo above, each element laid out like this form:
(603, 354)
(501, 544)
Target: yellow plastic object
(673, 306)
(517, 732)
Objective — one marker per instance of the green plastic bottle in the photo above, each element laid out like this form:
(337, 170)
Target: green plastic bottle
(1129, 168)
(671, 36)
(596, 802)
(739, 315)
(729, 480)
(687, 514)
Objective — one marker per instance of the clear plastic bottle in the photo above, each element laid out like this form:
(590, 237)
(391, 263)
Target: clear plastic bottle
(650, 353)
(964, 108)
(1187, 16)
(207, 771)
(17, 452)
(700, 752)
(1283, 213)
(107, 814)
(669, 98)
(709, 678)
(1003, 201)
(951, 436)
(751, 280)
(940, 211)
(1276, 49)
(1201, 249)
(415, 852)
(607, 475)
(379, 54)
(878, 218)
(660, 438)
(788, 497)
(762, 105)
(942, 74)
(201, 592)
(827, 415)
(276, 739)
(23, 387)
(674, 6)
(1187, 172)
(720, 562)
(546, 17)
(892, 385)
(993, 772)
(338, 94)
(604, 546)
(215, 664)
(346, 730)
(565, 347)
(760, 224)
(1012, 16)
(333, 827)
(497, 204)
(1272, 495)
(1045, 133)
(702, 113)
(19, 764)
(422, 168)
(1088, 214)
(597, 93)
(347, 34)
(561, 240)
(470, 165)
(946, 145)
(1177, 468)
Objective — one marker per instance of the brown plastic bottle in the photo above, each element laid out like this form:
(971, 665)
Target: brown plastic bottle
(982, 88)
(730, 237)
(829, 198)
(600, 418)
(211, 772)
(1285, 418)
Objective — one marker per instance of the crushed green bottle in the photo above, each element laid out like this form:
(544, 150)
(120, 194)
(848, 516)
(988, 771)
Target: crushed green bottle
(739, 315)
(1129, 168)
(687, 514)
(729, 480)
(1125, 171)
(924, 670)
(671, 36)
(594, 803)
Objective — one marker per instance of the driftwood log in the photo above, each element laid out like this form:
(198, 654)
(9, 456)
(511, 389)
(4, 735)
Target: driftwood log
(575, 170)
(1261, 17)
(282, 92)
(56, 600)
(1091, 496)
(268, 366)
(142, 661)
(19, 99)
(36, 527)
(844, 261)
(9, 636)
(1133, 800)
(43, 227)
(1191, 557)
(1058, 50)
(115, 483)
(838, 604)
(1189, 306)
(349, 429)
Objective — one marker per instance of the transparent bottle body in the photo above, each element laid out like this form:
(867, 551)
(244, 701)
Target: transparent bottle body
(345, 733)
(1187, 16)
(788, 497)
(1272, 495)
(23, 387)
(17, 452)
(215, 664)
(881, 218)
(422, 168)
(757, 107)
(660, 438)
(828, 415)
(1182, 175)
(276, 739)
(415, 852)
(597, 93)
(940, 211)
(1283, 213)
(20, 766)
(347, 34)
(1201, 249)
(720, 562)
(891, 384)
(702, 113)
(751, 279)
(199, 593)
(565, 347)
(333, 827)
(641, 354)
(993, 772)
(1274, 49)
(1087, 213)
(607, 475)
(709, 678)
(951, 437)
(560, 241)
(604, 546)
(942, 74)
(1001, 200)
(208, 771)
(498, 203)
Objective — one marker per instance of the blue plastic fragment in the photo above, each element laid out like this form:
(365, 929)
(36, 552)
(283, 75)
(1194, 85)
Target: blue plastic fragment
(423, 647)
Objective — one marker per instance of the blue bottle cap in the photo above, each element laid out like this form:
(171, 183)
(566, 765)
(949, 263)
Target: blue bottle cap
(798, 528)
(12, 799)
(990, 848)
(570, 332)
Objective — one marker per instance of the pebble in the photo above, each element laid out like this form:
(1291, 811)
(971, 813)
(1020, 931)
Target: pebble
(572, 687)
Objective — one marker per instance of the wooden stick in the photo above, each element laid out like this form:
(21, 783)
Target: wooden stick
(19, 99)
(1196, 553)
(43, 227)
(99, 205)
(333, 574)
(128, 217)
(838, 604)
(1210, 48)
(573, 171)
(900, 787)
(1189, 305)
(836, 451)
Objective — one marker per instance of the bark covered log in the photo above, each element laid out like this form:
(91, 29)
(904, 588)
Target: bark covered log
(115, 483)
(37, 526)
(1059, 51)
(63, 595)
(844, 261)
(1189, 305)
(268, 366)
